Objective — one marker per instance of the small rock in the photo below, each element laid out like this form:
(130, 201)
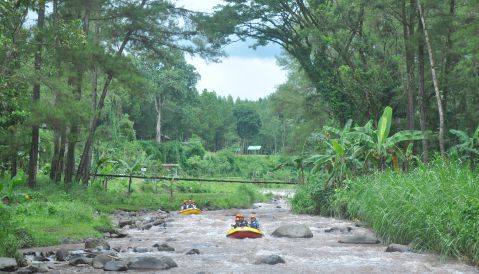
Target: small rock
(40, 257)
(271, 260)
(278, 206)
(37, 268)
(193, 252)
(147, 227)
(24, 270)
(116, 266)
(100, 261)
(293, 231)
(158, 222)
(164, 247)
(141, 249)
(8, 264)
(147, 219)
(160, 263)
(340, 229)
(359, 239)
(62, 254)
(94, 243)
(79, 260)
(123, 223)
(398, 248)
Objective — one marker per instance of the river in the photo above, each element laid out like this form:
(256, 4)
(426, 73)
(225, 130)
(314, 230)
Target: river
(320, 254)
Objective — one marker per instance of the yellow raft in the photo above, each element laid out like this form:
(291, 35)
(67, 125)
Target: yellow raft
(189, 211)
(244, 232)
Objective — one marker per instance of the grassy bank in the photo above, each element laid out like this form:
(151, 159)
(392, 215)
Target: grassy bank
(436, 208)
(53, 214)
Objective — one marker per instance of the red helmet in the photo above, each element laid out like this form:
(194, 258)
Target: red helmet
(252, 217)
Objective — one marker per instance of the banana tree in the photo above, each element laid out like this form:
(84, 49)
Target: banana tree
(133, 165)
(468, 149)
(340, 158)
(381, 145)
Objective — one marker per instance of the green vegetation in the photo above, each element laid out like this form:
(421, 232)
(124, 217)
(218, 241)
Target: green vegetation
(51, 214)
(433, 207)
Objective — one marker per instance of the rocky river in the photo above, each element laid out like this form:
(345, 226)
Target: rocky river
(160, 242)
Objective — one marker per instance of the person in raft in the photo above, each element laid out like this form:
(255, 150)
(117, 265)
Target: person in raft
(240, 221)
(184, 205)
(253, 222)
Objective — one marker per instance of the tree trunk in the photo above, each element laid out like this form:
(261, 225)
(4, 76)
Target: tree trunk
(13, 171)
(61, 156)
(434, 80)
(56, 152)
(33, 161)
(94, 92)
(448, 56)
(422, 96)
(408, 33)
(83, 169)
(158, 107)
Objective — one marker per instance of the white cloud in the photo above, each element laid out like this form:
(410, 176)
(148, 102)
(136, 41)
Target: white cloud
(246, 78)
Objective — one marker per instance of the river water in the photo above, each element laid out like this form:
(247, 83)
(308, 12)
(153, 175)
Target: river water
(320, 254)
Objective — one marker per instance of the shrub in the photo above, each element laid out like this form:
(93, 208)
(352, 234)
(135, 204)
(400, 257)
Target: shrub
(434, 207)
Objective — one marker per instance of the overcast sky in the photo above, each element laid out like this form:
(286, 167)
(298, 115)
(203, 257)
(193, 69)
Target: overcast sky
(245, 73)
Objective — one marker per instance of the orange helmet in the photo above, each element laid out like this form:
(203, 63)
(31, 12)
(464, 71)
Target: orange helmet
(252, 217)
(239, 215)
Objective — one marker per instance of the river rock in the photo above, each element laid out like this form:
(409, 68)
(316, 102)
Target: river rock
(147, 227)
(164, 247)
(159, 222)
(62, 254)
(94, 243)
(37, 268)
(141, 249)
(398, 248)
(193, 252)
(116, 266)
(340, 229)
(100, 261)
(271, 260)
(359, 239)
(8, 264)
(158, 263)
(123, 223)
(79, 260)
(293, 231)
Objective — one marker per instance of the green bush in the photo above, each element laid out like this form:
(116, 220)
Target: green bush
(433, 207)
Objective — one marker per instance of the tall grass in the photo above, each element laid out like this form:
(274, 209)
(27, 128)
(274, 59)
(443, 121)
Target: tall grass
(433, 207)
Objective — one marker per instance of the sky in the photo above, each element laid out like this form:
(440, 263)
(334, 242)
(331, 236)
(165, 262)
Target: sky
(244, 73)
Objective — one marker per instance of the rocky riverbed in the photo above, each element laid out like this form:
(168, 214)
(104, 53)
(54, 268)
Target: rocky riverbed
(157, 241)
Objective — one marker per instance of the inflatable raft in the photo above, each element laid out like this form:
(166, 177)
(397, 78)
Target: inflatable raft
(244, 232)
(189, 211)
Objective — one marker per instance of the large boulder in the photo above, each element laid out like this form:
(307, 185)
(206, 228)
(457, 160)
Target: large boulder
(62, 254)
(271, 260)
(293, 231)
(79, 260)
(96, 243)
(116, 266)
(100, 261)
(156, 263)
(8, 264)
(123, 223)
(360, 239)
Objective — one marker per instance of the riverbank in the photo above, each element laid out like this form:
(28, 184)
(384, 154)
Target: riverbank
(197, 243)
(50, 214)
(433, 207)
